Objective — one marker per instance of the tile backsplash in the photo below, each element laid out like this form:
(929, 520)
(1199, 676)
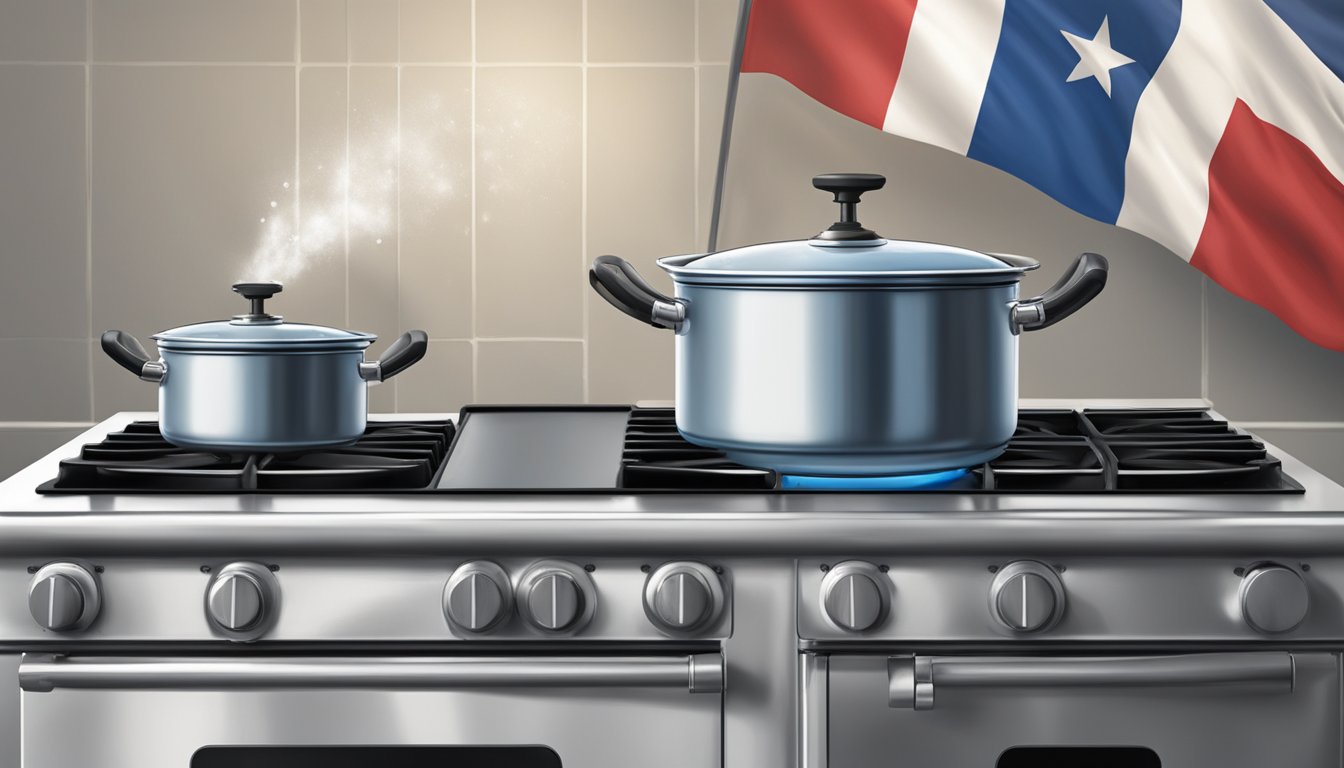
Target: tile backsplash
(454, 165)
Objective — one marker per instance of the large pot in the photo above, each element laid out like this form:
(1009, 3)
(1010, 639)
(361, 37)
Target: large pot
(848, 354)
(257, 384)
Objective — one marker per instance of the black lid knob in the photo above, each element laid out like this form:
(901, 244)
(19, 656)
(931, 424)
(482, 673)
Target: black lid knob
(848, 188)
(257, 293)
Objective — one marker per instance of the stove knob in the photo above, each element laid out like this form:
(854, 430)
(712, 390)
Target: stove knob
(1273, 598)
(1027, 596)
(64, 597)
(683, 597)
(477, 597)
(855, 595)
(556, 596)
(241, 600)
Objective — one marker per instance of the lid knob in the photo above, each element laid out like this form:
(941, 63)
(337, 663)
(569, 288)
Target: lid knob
(847, 188)
(257, 293)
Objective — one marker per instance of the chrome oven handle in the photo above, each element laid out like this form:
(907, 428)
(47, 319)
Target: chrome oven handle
(911, 680)
(697, 673)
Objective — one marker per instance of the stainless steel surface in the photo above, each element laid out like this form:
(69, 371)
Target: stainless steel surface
(855, 596)
(1027, 596)
(701, 673)
(242, 600)
(682, 597)
(64, 597)
(557, 597)
(11, 734)
(913, 681)
(477, 597)
(1273, 598)
(779, 378)
(262, 401)
(154, 371)
(1027, 313)
(502, 449)
(1191, 725)
(608, 727)
(372, 599)
(1143, 598)
(670, 314)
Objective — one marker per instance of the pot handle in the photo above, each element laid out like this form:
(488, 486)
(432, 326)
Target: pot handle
(1080, 285)
(127, 351)
(406, 351)
(616, 280)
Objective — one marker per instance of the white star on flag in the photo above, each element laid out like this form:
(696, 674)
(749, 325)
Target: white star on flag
(1096, 57)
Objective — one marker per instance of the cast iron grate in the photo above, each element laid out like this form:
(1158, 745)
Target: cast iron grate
(398, 455)
(1092, 451)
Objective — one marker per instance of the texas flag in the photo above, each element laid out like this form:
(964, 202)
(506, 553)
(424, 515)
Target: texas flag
(1215, 127)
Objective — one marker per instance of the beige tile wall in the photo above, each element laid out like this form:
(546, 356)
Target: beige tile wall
(494, 147)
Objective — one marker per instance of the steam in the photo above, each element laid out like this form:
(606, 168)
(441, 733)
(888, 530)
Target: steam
(354, 194)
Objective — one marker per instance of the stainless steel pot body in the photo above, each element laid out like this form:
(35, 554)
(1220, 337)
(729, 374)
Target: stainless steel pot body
(262, 401)
(848, 381)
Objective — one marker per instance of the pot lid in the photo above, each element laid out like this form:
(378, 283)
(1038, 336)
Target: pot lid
(259, 329)
(847, 251)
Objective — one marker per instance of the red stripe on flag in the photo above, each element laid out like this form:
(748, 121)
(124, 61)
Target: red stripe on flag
(1274, 233)
(847, 55)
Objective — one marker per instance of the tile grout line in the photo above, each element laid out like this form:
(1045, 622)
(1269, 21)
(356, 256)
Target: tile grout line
(396, 384)
(345, 172)
(583, 201)
(475, 274)
(695, 124)
(338, 64)
(88, 192)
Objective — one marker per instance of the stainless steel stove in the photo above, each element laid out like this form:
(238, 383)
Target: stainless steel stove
(1132, 584)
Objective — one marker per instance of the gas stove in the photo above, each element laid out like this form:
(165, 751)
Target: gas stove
(1131, 584)
(595, 449)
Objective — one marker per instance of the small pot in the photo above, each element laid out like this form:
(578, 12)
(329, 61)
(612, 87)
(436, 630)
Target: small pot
(256, 384)
(848, 354)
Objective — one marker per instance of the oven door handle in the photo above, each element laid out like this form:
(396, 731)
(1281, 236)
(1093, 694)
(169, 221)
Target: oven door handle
(911, 680)
(696, 673)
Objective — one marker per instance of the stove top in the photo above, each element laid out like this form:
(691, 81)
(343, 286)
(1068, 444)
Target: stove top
(606, 449)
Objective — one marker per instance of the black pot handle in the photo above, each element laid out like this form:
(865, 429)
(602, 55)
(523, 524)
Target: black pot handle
(616, 280)
(130, 354)
(1076, 288)
(406, 351)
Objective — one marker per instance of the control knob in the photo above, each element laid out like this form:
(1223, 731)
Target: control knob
(555, 596)
(682, 597)
(64, 597)
(1027, 596)
(855, 595)
(242, 600)
(1273, 598)
(478, 597)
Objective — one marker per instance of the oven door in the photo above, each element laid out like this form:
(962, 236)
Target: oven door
(1207, 710)
(409, 712)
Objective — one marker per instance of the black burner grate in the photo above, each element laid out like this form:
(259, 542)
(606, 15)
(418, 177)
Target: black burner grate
(1067, 451)
(390, 456)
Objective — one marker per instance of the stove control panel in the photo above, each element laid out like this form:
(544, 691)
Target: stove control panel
(64, 597)
(1037, 598)
(1273, 598)
(682, 597)
(434, 598)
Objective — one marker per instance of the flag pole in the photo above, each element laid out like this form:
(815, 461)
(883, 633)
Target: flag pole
(729, 107)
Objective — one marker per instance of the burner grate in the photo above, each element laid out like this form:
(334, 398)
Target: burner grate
(1053, 450)
(390, 456)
